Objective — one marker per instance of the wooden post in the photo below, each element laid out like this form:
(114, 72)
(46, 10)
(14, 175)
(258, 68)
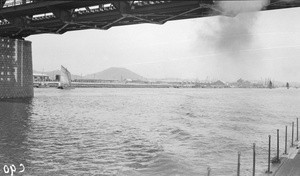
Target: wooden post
(285, 151)
(238, 166)
(269, 157)
(297, 129)
(292, 134)
(208, 171)
(253, 159)
(277, 144)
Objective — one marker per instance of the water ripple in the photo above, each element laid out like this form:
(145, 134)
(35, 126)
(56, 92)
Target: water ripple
(144, 132)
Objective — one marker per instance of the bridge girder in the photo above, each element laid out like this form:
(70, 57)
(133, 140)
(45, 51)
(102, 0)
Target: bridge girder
(61, 16)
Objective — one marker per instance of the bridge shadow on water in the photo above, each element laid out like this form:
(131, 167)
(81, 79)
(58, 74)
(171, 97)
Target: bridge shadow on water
(15, 122)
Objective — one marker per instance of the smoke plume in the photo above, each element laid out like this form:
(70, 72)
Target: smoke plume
(232, 33)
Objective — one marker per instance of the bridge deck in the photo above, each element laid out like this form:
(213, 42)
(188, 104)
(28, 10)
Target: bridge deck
(38, 17)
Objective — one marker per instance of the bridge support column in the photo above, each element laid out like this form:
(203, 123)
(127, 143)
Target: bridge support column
(16, 78)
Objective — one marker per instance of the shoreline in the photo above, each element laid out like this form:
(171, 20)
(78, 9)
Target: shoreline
(139, 85)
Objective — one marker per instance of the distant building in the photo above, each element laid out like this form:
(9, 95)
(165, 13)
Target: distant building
(218, 84)
(128, 80)
(240, 83)
(257, 85)
(40, 77)
(139, 81)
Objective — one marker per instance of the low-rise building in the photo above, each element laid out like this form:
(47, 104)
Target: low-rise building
(40, 77)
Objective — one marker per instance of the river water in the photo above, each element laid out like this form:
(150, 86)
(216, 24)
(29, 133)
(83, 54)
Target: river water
(143, 132)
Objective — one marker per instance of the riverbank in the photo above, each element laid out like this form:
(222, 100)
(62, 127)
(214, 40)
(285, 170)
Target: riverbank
(104, 85)
(49, 84)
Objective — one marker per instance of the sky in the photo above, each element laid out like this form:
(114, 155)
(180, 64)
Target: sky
(250, 45)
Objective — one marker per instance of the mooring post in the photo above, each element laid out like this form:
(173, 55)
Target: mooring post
(238, 166)
(208, 171)
(285, 151)
(278, 145)
(292, 134)
(253, 159)
(269, 157)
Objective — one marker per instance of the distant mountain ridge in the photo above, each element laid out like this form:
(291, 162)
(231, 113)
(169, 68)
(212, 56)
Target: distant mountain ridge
(115, 73)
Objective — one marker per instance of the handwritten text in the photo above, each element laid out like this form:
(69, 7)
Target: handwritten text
(12, 169)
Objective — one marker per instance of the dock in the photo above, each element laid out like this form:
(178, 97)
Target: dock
(286, 164)
(290, 163)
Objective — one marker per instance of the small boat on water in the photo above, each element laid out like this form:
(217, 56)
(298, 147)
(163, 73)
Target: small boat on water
(65, 79)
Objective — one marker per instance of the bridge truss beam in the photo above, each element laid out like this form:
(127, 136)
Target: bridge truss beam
(58, 17)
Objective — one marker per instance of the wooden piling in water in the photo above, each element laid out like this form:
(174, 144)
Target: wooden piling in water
(208, 171)
(269, 156)
(278, 145)
(297, 130)
(292, 134)
(238, 165)
(285, 150)
(253, 159)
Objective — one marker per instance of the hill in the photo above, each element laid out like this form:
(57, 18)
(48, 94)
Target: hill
(115, 73)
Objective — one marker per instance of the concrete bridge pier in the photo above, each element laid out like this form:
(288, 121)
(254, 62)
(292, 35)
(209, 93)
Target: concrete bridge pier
(16, 78)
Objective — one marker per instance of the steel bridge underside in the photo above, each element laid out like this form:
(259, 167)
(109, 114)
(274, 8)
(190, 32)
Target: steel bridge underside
(57, 17)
